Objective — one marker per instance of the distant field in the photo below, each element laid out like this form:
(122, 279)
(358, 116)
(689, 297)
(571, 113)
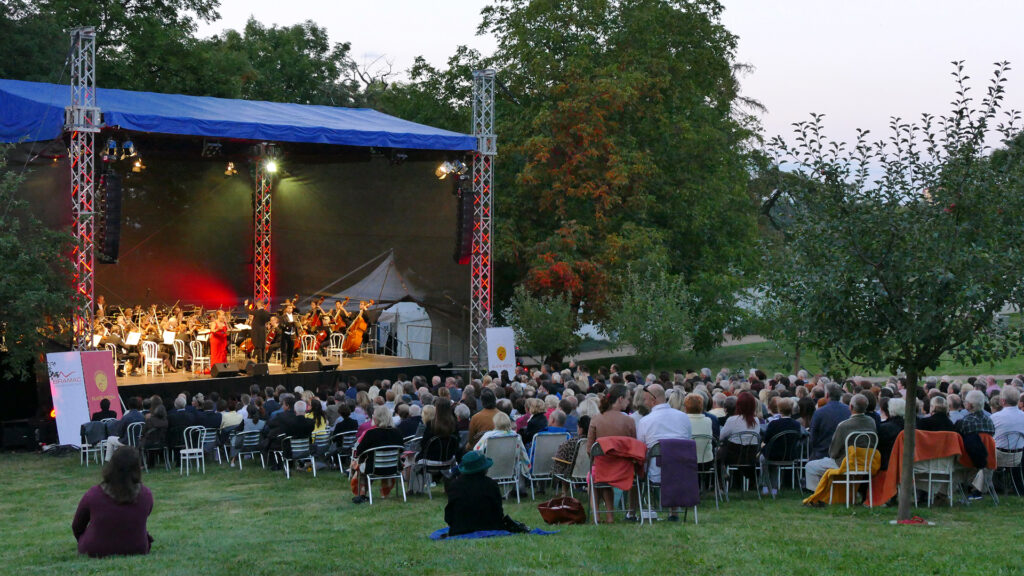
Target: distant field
(258, 523)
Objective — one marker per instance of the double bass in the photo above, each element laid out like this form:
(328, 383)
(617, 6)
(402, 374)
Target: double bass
(358, 326)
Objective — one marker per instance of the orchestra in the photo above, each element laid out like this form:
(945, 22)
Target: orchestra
(250, 329)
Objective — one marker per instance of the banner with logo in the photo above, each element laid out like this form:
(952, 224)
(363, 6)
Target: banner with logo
(100, 380)
(501, 350)
(67, 386)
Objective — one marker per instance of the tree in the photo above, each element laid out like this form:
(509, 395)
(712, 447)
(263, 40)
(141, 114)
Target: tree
(620, 143)
(894, 272)
(653, 315)
(36, 287)
(543, 325)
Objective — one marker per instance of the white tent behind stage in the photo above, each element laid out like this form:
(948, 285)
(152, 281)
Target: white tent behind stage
(406, 326)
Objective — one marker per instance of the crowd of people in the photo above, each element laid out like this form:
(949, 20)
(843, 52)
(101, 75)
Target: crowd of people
(738, 410)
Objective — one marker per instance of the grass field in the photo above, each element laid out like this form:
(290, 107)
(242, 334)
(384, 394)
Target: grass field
(257, 522)
(768, 357)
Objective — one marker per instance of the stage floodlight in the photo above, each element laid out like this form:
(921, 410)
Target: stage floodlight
(271, 166)
(138, 166)
(128, 150)
(230, 170)
(450, 167)
(112, 147)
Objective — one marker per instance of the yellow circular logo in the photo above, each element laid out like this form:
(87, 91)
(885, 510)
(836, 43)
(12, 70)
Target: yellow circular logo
(101, 381)
(502, 353)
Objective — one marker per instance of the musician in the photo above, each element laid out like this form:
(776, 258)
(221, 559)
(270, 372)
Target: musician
(340, 316)
(289, 331)
(260, 318)
(101, 306)
(273, 338)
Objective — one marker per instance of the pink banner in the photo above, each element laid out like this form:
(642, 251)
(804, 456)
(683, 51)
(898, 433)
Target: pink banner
(100, 380)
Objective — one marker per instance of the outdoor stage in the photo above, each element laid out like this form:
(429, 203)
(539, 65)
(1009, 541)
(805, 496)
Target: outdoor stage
(366, 368)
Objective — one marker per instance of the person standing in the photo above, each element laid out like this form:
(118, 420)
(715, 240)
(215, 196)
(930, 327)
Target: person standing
(260, 318)
(219, 339)
(289, 329)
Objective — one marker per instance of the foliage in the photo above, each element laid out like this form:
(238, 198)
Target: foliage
(441, 98)
(652, 315)
(36, 276)
(897, 271)
(543, 325)
(620, 143)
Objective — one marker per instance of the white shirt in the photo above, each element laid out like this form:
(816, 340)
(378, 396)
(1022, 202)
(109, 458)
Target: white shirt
(1009, 419)
(663, 423)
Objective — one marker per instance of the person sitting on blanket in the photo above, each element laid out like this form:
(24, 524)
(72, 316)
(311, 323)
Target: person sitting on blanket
(818, 470)
(474, 499)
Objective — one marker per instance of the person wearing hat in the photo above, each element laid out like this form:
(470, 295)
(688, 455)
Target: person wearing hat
(474, 499)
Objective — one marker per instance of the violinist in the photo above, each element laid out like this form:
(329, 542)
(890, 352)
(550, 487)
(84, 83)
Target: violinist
(289, 330)
(273, 339)
(260, 318)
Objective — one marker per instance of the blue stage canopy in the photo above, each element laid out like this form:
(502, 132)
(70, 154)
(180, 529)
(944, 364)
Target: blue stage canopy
(31, 111)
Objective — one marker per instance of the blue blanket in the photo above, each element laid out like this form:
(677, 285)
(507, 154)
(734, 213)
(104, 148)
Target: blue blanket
(442, 534)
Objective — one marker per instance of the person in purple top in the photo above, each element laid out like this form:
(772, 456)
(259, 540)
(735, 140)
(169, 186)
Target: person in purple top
(111, 517)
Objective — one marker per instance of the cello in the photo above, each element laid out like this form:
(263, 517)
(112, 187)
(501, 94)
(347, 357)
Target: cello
(358, 326)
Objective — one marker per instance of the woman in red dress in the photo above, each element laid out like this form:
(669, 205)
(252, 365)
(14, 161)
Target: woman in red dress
(219, 339)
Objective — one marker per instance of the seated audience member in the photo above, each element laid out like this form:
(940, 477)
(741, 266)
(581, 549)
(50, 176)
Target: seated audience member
(971, 427)
(443, 426)
(411, 423)
(119, 430)
(503, 428)
(957, 412)
(209, 418)
(474, 499)
(890, 429)
(483, 420)
(823, 426)
(536, 421)
(462, 416)
(556, 423)
(662, 422)
(568, 405)
(1009, 423)
(611, 422)
(939, 420)
(693, 405)
(253, 422)
(154, 430)
(316, 414)
(857, 422)
(105, 412)
(733, 448)
(345, 422)
(566, 454)
(383, 433)
(784, 423)
(111, 517)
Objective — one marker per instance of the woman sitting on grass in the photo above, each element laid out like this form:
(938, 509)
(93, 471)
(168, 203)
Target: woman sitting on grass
(111, 517)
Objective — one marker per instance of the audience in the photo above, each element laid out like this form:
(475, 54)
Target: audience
(111, 516)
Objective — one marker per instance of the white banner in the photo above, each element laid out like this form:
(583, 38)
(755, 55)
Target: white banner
(501, 350)
(67, 386)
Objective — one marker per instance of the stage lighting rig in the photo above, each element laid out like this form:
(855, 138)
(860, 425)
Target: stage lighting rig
(271, 166)
(128, 150)
(230, 170)
(450, 167)
(211, 149)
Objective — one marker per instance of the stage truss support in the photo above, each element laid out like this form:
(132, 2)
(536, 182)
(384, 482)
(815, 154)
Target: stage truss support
(261, 255)
(82, 119)
(481, 286)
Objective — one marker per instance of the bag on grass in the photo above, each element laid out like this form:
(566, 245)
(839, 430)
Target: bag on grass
(562, 510)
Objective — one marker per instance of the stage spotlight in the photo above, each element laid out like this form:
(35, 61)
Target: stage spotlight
(230, 171)
(211, 149)
(450, 167)
(112, 147)
(138, 166)
(271, 166)
(128, 150)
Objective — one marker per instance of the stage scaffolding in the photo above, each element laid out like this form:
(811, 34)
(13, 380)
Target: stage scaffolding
(83, 120)
(261, 253)
(481, 288)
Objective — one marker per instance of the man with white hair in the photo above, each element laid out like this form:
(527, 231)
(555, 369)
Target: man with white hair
(663, 422)
(971, 427)
(1009, 422)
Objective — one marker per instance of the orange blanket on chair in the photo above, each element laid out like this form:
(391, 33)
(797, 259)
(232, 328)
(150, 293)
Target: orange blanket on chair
(617, 466)
(928, 445)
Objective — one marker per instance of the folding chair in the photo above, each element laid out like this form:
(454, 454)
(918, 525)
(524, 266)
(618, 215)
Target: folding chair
(690, 464)
(211, 442)
(744, 456)
(577, 476)
(781, 452)
(1009, 461)
(592, 487)
(504, 451)
(296, 450)
(94, 441)
(345, 441)
(386, 464)
(707, 462)
(858, 469)
(193, 450)
(320, 443)
(439, 455)
(248, 444)
(542, 452)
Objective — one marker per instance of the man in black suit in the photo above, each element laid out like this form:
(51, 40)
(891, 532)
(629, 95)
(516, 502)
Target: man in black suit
(289, 330)
(939, 420)
(177, 420)
(260, 318)
(209, 417)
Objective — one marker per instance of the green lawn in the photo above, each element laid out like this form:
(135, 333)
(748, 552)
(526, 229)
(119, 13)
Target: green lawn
(769, 358)
(257, 522)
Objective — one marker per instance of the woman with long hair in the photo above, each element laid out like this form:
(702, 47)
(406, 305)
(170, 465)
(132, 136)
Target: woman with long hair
(738, 448)
(111, 517)
(612, 421)
(316, 414)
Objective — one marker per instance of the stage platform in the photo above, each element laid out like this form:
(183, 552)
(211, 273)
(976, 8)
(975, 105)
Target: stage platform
(366, 368)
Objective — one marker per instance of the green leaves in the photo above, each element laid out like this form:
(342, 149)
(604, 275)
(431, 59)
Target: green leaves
(653, 315)
(544, 325)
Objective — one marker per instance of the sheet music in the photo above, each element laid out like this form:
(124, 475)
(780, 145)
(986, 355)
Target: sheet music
(243, 327)
(169, 337)
(96, 340)
(133, 339)
(203, 337)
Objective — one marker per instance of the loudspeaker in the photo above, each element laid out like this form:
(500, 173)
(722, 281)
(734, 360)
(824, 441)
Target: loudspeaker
(254, 369)
(328, 364)
(308, 366)
(224, 370)
(464, 223)
(110, 242)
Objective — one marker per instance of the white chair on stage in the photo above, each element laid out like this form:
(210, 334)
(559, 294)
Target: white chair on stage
(179, 354)
(198, 360)
(334, 349)
(309, 347)
(151, 350)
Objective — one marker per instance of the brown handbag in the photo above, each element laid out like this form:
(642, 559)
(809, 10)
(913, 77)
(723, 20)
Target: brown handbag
(562, 510)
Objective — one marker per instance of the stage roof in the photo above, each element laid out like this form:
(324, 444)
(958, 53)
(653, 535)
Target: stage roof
(32, 111)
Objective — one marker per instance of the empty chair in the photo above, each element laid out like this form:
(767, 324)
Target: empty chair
(542, 451)
(334, 346)
(309, 347)
(861, 451)
(151, 351)
(504, 451)
(193, 450)
(577, 476)
(199, 361)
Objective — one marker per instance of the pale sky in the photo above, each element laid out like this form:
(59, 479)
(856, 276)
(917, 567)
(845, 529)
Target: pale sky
(858, 62)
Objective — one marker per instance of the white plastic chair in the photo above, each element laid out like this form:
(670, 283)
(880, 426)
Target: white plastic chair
(308, 347)
(504, 451)
(858, 470)
(113, 350)
(179, 353)
(334, 346)
(198, 360)
(545, 446)
(94, 441)
(193, 450)
(151, 350)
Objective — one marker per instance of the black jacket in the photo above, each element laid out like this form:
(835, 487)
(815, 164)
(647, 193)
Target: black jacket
(474, 503)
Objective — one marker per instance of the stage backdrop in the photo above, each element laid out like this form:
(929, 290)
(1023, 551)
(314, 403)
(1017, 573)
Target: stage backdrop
(187, 228)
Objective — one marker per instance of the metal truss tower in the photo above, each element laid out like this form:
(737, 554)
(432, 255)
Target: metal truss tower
(261, 255)
(481, 287)
(82, 119)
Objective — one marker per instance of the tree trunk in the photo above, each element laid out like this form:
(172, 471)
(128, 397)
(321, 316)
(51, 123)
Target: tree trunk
(907, 487)
(796, 358)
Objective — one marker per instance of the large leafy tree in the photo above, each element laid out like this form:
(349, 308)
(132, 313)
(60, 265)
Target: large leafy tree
(620, 143)
(36, 286)
(895, 269)
(544, 325)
